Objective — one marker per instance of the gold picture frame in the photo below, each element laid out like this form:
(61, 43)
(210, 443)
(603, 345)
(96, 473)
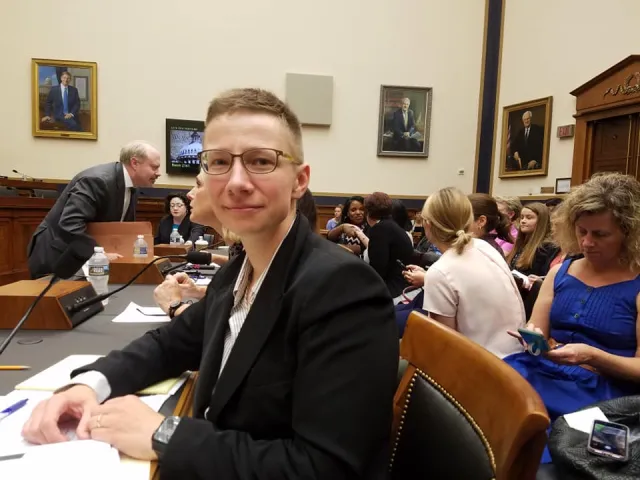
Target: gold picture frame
(64, 99)
(526, 133)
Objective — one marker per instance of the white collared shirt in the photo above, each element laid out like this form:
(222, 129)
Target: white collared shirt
(243, 298)
(128, 185)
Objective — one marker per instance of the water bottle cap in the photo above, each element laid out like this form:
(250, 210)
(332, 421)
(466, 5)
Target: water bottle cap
(140, 237)
(200, 237)
(175, 229)
(98, 250)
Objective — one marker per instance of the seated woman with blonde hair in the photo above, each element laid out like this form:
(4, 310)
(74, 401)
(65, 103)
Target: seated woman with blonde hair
(590, 305)
(470, 288)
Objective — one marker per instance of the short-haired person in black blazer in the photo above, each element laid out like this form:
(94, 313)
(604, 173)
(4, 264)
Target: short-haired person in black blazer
(102, 193)
(178, 214)
(386, 242)
(297, 369)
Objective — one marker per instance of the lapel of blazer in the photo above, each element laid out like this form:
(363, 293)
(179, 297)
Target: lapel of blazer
(261, 319)
(118, 202)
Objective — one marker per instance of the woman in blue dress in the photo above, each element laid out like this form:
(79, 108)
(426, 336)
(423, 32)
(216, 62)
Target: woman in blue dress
(590, 305)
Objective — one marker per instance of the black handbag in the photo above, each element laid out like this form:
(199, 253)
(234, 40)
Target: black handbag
(568, 447)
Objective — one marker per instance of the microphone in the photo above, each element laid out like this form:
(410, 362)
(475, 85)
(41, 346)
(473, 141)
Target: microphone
(71, 260)
(24, 176)
(87, 303)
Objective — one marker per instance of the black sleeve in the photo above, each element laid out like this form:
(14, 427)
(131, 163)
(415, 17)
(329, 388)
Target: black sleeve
(379, 249)
(158, 238)
(84, 201)
(341, 394)
(543, 258)
(159, 354)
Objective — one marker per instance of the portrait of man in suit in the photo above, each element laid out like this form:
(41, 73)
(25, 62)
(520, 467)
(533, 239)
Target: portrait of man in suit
(526, 138)
(64, 99)
(63, 104)
(405, 115)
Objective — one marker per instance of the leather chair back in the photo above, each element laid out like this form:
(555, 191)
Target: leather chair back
(461, 412)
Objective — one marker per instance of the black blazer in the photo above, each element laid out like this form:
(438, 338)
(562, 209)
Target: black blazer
(188, 229)
(307, 391)
(94, 195)
(389, 243)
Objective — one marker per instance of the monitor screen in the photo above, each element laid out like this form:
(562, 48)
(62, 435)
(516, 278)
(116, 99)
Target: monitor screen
(184, 142)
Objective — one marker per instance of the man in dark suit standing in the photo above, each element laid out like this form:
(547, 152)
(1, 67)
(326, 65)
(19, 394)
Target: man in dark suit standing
(297, 369)
(103, 193)
(528, 145)
(63, 104)
(404, 126)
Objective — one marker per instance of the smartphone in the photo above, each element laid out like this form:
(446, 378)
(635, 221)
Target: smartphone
(536, 343)
(609, 439)
(402, 265)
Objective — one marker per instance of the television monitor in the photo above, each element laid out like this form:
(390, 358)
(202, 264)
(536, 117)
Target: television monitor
(184, 142)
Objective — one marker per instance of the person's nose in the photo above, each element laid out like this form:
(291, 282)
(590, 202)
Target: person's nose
(239, 179)
(587, 241)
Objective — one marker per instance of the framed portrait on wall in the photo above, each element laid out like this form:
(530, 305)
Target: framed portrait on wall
(64, 99)
(404, 120)
(526, 129)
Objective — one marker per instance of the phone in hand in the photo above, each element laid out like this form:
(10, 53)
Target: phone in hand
(536, 343)
(609, 439)
(402, 265)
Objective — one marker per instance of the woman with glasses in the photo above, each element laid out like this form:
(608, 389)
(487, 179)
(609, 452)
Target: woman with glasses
(177, 210)
(270, 340)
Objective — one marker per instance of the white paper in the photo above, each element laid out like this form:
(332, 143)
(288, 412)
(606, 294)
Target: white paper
(584, 419)
(132, 315)
(155, 401)
(131, 469)
(181, 379)
(58, 375)
(71, 461)
(203, 282)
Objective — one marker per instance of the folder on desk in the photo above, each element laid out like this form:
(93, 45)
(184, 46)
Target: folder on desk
(59, 374)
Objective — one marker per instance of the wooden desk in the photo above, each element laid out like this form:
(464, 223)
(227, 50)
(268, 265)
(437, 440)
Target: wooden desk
(163, 249)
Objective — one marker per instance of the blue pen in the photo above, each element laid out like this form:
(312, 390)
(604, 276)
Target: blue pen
(13, 408)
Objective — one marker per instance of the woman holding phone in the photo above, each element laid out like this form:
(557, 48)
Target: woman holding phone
(590, 305)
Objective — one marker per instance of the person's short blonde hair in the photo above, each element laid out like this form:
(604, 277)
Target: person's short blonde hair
(449, 214)
(604, 192)
(259, 101)
(136, 148)
(513, 205)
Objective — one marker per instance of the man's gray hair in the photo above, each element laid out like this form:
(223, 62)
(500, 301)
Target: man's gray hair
(529, 112)
(137, 148)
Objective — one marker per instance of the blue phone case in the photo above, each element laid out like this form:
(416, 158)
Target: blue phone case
(536, 343)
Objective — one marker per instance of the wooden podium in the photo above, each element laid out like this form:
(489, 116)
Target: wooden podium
(163, 249)
(51, 313)
(124, 269)
(119, 237)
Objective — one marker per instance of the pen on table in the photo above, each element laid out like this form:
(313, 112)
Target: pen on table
(13, 408)
(14, 367)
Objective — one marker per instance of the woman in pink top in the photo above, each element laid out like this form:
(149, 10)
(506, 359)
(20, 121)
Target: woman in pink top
(470, 288)
(511, 207)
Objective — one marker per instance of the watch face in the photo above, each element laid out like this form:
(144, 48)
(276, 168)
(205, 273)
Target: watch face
(166, 429)
(175, 304)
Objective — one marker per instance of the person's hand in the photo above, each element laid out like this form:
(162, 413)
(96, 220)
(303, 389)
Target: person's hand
(349, 230)
(67, 116)
(46, 119)
(405, 135)
(414, 275)
(75, 403)
(187, 286)
(532, 165)
(528, 326)
(113, 256)
(127, 424)
(167, 292)
(572, 354)
(534, 278)
(516, 156)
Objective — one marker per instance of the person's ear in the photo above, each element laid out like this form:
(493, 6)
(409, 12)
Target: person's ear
(303, 174)
(482, 221)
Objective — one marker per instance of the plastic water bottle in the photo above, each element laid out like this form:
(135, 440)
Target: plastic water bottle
(140, 248)
(99, 272)
(201, 243)
(174, 238)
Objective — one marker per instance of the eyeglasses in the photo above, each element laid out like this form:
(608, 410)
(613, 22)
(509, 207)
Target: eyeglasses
(256, 160)
(176, 205)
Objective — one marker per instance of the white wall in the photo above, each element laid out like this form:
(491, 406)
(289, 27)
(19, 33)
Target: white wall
(550, 47)
(162, 59)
